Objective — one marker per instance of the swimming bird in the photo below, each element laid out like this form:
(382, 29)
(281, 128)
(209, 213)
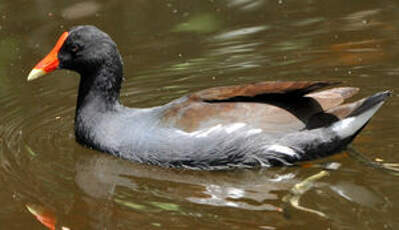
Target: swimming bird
(252, 125)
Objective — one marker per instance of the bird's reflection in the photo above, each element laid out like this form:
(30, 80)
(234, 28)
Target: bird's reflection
(105, 177)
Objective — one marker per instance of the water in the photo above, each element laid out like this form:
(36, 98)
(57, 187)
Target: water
(171, 48)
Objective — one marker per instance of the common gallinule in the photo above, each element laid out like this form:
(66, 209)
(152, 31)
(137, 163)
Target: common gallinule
(261, 124)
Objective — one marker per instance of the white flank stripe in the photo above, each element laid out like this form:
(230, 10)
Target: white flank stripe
(234, 127)
(206, 132)
(282, 149)
(253, 131)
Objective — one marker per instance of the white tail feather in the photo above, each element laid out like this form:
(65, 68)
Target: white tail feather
(349, 126)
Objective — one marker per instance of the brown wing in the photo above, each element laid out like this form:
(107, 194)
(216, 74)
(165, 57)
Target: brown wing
(260, 88)
(274, 107)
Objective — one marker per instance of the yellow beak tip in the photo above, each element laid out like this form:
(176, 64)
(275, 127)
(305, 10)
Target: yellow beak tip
(35, 74)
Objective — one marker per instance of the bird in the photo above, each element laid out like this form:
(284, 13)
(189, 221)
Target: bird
(262, 124)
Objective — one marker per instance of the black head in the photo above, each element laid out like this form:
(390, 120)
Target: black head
(86, 49)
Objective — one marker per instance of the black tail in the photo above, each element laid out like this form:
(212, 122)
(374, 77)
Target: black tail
(370, 102)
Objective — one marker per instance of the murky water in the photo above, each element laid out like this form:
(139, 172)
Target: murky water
(171, 48)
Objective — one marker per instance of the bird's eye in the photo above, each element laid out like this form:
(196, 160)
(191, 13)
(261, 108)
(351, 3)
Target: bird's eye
(75, 48)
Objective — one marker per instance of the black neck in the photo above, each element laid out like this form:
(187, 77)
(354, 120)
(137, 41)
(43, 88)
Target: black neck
(101, 86)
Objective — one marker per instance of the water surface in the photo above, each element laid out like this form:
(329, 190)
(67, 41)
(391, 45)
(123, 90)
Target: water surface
(171, 48)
